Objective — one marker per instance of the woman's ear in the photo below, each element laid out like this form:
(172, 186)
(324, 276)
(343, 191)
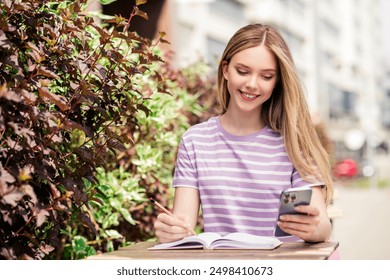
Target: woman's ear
(225, 66)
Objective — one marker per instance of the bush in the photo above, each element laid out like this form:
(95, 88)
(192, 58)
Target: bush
(90, 120)
(70, 91)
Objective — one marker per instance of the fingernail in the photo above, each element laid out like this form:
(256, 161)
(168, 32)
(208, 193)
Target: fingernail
(282, 218)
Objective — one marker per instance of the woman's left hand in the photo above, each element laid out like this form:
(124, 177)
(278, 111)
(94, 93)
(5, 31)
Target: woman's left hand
(302, 225)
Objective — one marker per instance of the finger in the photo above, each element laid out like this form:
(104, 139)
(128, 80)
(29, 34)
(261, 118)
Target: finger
(184, 219)
(180, 221)
(302, 227)
(300, 219)
(168, 228)
(164, 237)
(303, 231)
(300, 234)
(307, 209)
(171, 220)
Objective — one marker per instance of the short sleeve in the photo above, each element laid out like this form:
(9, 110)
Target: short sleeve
(185, 174)
(297, 181)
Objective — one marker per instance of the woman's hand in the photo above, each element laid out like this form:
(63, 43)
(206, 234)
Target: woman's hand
(303, 226)
(313, 225)
(169, 228)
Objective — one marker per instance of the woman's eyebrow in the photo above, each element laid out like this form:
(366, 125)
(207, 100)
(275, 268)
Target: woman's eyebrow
(264, 70)
(269, 70)
(242, 65)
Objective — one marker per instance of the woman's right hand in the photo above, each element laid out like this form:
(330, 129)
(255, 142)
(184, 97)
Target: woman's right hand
(168, 228)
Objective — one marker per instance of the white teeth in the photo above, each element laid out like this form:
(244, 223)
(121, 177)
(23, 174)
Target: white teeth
(249, 95)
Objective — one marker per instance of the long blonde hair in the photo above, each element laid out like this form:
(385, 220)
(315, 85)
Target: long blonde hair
(286, 111)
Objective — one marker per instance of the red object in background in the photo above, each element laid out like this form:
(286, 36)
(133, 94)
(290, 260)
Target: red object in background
(346, 168)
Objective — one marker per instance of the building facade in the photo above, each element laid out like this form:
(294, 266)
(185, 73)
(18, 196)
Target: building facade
(339, 48)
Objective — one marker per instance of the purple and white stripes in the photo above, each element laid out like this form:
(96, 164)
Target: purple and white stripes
(239, 178)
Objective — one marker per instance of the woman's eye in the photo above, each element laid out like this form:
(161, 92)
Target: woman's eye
(267, 77)
(241, 72)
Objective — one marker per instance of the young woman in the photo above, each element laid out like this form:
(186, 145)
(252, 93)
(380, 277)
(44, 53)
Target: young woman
(237, 164)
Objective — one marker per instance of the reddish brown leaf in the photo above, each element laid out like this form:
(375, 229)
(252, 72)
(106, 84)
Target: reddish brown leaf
(36, 56)
(54, 191)
(88, 222)
(27, 189)
(32, 46)
(46, 249)
(61, 207)
(28, 96)
(4, 43)
(7, 253)
(118, 20)
(58, 100)
(45, 72)
(140, 13)
(103, 34)
(5, 176)
(164, 41)
(13, 198)
(56, 138)
(7, 94)
(15, 145)
(41, 217)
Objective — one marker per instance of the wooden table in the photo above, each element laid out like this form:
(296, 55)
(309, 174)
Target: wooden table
(286, 251)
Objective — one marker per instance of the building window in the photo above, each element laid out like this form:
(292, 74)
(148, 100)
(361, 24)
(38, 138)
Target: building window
(341, 103)
(293, 41)
(297, 5)
(348, 102)
(215, 49)
(228, 9)
(385, 114)
(329, 27)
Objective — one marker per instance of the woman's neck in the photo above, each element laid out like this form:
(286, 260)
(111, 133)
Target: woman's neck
(239, 124)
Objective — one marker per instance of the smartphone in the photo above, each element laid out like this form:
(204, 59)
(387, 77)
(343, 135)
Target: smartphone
(289, 199)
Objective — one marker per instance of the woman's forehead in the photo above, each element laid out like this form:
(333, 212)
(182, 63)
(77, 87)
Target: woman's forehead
(258, 56)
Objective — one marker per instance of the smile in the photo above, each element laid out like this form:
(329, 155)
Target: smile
(247, 96)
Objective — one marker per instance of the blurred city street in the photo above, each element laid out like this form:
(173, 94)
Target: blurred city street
(364, 228)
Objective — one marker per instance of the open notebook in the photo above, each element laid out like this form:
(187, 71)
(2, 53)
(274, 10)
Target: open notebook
(211, 240)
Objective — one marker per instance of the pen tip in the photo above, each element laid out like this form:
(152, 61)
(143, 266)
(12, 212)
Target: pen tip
(151, 199)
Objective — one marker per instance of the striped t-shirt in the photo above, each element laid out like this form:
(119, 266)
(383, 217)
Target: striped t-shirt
(239, 178)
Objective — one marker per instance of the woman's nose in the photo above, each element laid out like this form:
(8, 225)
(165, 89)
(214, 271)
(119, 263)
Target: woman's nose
(251, 82)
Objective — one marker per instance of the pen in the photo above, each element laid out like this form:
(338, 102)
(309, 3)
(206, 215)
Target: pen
(162, 208)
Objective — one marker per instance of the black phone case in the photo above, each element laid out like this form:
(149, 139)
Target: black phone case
(290, 199)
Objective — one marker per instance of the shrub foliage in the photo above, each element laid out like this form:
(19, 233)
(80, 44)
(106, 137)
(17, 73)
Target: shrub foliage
(90, 118)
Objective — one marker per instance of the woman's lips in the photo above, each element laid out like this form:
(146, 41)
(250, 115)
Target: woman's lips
(248, 96)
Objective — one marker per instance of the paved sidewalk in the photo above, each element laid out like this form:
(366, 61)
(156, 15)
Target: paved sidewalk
(364, 229)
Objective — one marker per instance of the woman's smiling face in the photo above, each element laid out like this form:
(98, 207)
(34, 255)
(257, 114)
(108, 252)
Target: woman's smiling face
(251, 77)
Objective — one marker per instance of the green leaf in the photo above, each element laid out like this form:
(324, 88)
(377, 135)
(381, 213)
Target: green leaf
(79, 243)
(126, 214)
(140, 2)
(110, 246)
(113, 233)
(106, 2)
